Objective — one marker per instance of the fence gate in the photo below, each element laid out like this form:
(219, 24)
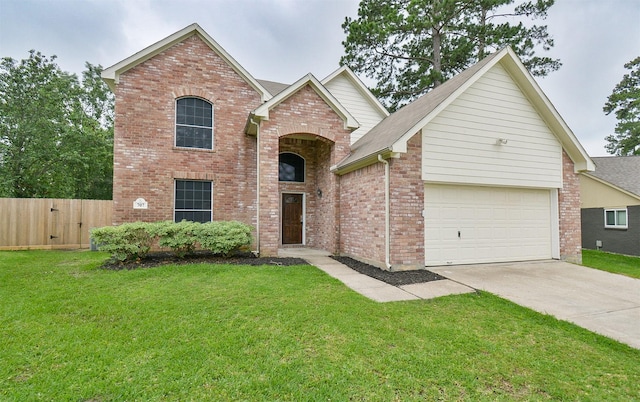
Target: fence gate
(50, 223)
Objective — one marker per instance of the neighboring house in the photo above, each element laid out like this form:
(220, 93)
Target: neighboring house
(481, 169)
(611, 205)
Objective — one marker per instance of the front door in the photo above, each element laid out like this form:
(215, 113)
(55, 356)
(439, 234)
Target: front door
(292, 219)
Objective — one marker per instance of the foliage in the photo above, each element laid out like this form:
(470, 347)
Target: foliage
(125, 242)
(614, 263)
(625, 102)
(180, 237)
(133, 240)
(72, 332)
(223, 237)
(411, 46)
(56, 133)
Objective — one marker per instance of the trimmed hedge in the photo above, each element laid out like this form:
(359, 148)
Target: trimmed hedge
(131, 241)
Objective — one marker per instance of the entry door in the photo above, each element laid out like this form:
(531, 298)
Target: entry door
(292, 219)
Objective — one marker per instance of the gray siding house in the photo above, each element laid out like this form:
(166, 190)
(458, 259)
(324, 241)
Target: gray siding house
(611, 205)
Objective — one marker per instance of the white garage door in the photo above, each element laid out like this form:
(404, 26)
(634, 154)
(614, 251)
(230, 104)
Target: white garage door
(467, 225)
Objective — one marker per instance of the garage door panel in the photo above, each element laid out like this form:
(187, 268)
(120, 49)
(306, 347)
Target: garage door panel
(467, 224)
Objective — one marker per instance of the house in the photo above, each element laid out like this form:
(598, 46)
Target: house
(481, 169)
(611, 205)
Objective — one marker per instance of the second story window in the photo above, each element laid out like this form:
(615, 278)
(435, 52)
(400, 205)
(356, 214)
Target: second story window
(194, 123)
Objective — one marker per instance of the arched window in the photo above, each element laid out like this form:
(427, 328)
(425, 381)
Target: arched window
(291, 167)
(194, 123)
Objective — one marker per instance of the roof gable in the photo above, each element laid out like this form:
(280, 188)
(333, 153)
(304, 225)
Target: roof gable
(392, 134)
(262, 112)
(357, 98)
(347, 73)
(112, 74)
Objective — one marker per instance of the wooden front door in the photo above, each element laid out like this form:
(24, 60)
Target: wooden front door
(292, 219)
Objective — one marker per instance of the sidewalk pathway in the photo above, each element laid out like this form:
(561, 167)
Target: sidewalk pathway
(373, 288)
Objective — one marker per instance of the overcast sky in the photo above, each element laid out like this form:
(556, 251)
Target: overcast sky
(282, 40)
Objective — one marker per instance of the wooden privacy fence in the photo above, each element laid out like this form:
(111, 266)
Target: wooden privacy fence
(45, 223)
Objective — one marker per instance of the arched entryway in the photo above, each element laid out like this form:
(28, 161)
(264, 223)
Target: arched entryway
(306, 188)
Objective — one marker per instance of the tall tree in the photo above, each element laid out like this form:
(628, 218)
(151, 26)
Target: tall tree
(625, 102)
(411, 46)
(56, 134)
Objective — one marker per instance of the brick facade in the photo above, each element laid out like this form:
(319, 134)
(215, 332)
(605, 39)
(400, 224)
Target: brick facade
(306, 125)
(407, 204)
(146, 162)
(362, 209)
(569, 210)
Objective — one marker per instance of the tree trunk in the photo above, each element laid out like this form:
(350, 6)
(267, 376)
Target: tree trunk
(437, 56)
(482, 36)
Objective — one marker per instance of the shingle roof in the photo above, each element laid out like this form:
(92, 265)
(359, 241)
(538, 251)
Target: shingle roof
(273, 87)
(621, 171)
(394, 126)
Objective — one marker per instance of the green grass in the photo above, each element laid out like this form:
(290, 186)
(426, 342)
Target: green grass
(70, 331)
(615, 263)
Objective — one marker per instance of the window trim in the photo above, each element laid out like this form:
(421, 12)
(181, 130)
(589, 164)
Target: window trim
(175, 185)
(304, 168)
(175, 124)
(616, 225)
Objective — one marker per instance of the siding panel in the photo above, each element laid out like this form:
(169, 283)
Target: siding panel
(347, 94)
(460, 143)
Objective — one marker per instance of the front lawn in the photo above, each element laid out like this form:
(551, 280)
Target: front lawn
(70, 331)
(615, 263)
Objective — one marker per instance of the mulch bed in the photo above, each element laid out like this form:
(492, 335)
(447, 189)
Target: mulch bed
(397, 278)
(156, 259)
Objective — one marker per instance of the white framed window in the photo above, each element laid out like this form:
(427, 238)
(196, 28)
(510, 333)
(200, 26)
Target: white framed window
(193, 201)
(615, 218)
(194, 123)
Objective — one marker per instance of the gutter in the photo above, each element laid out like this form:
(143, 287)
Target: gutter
(257, 250)
(387, 231)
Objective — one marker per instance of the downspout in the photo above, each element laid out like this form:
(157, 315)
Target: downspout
(387, 231)
(257, 250)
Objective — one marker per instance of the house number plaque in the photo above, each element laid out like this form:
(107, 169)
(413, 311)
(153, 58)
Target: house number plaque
(140, 203)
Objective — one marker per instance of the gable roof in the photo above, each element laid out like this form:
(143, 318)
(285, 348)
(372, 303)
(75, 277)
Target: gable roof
(262, 112)
(621, 171)
(391, 134)
(112, 74)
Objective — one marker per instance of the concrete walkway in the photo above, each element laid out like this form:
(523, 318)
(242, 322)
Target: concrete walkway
(605, 303)
(370, 287)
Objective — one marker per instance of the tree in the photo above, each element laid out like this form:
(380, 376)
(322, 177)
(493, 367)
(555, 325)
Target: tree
(625, 102)
(56, 134)
(408, 47)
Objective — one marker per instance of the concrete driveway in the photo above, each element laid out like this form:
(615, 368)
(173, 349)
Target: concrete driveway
(605, 303)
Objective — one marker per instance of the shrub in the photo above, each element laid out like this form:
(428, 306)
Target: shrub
(134, 240)
(125, 242)
(180, 237)
(223, 237)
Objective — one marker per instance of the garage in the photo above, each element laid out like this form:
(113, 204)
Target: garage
(474, 224)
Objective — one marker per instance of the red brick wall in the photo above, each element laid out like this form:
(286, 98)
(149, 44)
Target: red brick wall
(362, 211)
(362, 214)
(146, 163)
(569, 209)
(304, 113)
(407, 204)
